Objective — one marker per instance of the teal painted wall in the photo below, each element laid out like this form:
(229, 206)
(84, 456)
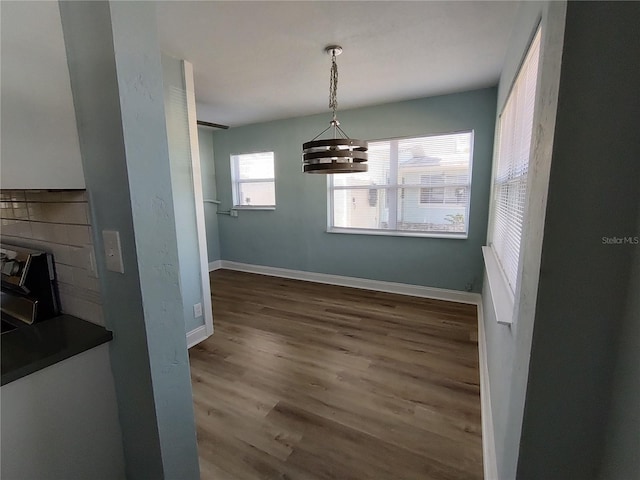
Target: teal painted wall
(175, 101)
(294, 235)
(209, 192)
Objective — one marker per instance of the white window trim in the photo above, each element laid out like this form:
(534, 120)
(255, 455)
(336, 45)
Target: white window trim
(395, 233)
(393, 175)
(248, 207)
(501, 295)
(235, 183)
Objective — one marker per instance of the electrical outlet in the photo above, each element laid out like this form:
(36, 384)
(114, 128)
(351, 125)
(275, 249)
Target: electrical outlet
(112, 251)
(234, 213)
(197, 310)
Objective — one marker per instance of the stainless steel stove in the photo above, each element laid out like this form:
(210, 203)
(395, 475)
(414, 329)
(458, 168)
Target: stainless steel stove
(29, 292)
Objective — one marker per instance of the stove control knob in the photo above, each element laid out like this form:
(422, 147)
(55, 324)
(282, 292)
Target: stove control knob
(11, 268)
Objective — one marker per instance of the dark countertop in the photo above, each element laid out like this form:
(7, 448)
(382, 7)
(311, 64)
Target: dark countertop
(28, 349)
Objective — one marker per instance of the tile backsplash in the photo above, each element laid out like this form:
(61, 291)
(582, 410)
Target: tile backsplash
(57, 222)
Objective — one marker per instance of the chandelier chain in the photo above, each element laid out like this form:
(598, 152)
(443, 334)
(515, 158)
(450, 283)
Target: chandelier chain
(333, 88)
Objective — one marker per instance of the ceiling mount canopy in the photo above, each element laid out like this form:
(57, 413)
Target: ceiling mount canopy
(339, 154)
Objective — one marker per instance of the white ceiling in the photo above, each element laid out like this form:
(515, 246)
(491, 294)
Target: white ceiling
(259, 61)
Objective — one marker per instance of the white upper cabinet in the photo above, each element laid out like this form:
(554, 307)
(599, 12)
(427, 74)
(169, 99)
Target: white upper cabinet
(39, 137)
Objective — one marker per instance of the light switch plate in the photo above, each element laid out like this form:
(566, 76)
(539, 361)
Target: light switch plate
(112, 250)
(197, 310)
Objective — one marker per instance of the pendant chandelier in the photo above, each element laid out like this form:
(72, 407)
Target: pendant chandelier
(339, 154)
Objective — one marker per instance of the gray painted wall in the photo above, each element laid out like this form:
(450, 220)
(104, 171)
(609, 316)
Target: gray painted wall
(294, 235)
(593, 193)
(508, 347)
(622, 442)
(175, 102)
(116, 79)
(209, 191)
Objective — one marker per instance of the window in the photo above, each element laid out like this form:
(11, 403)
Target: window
(512, 167)
(253, 179)
(415, 186)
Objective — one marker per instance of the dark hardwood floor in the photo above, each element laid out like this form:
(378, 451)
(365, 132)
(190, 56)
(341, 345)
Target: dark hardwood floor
(310, 381)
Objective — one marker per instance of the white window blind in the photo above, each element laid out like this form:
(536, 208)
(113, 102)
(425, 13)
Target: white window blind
(510, 182)
(418, 186)
(253, 179)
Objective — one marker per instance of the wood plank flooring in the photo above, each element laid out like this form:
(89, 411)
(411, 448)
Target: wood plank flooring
(310, 381)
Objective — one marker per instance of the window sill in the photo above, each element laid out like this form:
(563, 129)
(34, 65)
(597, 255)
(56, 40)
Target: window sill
(501, 296)
(394, 233)
(243, 207)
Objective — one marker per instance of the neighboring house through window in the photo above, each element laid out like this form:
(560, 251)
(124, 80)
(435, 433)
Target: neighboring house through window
(253, 179)
(455, 192)
(415, 186)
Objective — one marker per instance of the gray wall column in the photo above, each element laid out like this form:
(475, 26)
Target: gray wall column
(116, 80)
(620, 460)
(582, 293)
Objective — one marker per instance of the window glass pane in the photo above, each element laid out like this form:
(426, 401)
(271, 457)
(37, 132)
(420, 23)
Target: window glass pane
(378, 168)
(458, 195)
(434, 209)
(432, 195)
(361, 208)
(438, 155)
(510, 182)
(253, 166)
(246, 170)
(427, 180)
(256, 194)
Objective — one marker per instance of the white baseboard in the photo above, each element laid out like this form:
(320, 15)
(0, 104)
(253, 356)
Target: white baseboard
(215, 265)
(363, 283)
(197, 335)
(488, 439)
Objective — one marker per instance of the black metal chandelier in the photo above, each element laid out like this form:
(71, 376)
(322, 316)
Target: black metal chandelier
(339, 154)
